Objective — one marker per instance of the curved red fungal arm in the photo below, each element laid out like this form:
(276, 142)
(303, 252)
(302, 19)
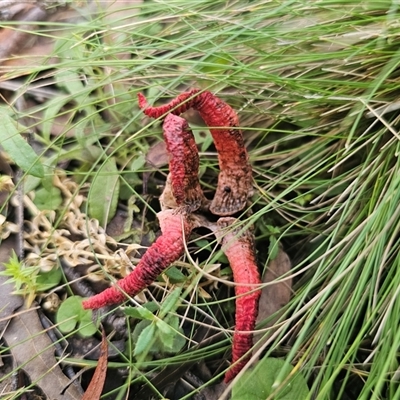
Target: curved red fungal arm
(163, 252)
(235, 178)
(239, 249)
(183, 163)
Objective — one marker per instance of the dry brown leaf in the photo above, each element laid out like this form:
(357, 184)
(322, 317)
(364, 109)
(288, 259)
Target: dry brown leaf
(10, 8)
(30, 346)
(12, 40)
(33, 352)
(93, 392)
(20, 47)
(31, 57)
(157, 155)
(275, 296)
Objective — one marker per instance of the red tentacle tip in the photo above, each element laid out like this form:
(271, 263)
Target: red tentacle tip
(142, 101)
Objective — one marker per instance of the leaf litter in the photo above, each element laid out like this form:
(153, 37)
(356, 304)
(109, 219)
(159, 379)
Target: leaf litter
(31, 348)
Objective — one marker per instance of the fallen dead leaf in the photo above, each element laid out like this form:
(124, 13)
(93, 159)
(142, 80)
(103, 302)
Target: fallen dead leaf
(275, 296)
(20, 45)
(157, 155)
(93, 392)
(34, 353)
(29, 344)
(12, 40)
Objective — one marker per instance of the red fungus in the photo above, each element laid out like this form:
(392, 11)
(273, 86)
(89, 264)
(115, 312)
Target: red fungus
(163, 252)
(183, 196)
(183, 163)
(239, 249)
(235, 178)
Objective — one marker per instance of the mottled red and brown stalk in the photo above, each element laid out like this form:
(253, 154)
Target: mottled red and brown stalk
(183, 163)
(181, 200)
(235, 178)
(239, 248)
(176, 228)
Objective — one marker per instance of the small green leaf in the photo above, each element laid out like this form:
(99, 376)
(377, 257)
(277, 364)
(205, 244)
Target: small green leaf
(52, 109)
(138, 163)
(144, 312)
(68, 323)
(166, 337)
(164, 328)
(72, 313)
(179, 342)
(48, 280)
(260, 383)
(47, 199)
(30, 183)
(273, 230)
(171, 302)
(145, 338)
(86, 327)
(72, 83)
(17, 147)
(175, 275)
(176, 340)
(219, 257)
(304, 199)
(273, 247)
(104, 191)
(139, 328)
(132, 312)
(203, 244)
